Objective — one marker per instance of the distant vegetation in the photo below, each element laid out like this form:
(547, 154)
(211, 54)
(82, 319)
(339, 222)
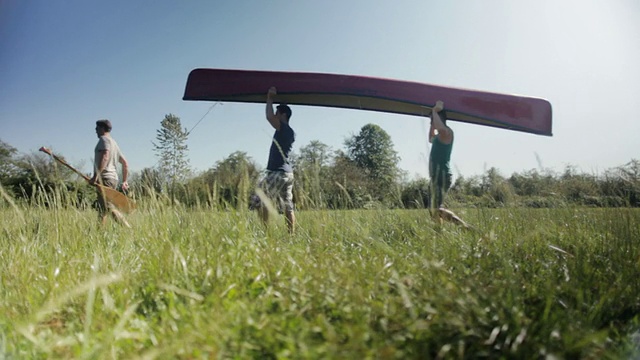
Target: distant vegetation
(363, 175)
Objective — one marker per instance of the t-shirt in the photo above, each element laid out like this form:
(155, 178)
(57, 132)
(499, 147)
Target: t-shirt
(280, 148)
(107, 143)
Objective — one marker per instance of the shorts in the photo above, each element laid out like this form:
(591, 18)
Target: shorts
(103, 204)
(440, 184)
(278, 187)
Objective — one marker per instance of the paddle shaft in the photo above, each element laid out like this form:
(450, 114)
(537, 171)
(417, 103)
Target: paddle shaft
(60, 160)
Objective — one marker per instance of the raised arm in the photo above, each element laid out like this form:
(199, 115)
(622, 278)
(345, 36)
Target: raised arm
(444, 133)
(432, 132)
(271, 116)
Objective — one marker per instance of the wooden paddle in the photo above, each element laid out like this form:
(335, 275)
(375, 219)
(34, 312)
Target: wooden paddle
(118, 199)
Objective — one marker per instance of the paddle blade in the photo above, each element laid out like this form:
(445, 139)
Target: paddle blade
(118, 199)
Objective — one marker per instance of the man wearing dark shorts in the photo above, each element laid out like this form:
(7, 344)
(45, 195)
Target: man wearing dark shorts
(277, 184)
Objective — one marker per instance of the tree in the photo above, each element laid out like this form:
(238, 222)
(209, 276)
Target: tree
(624, 182)
(496, 187)
(235, 176)
(229, 182)
(312, 167)
(315, 154)
(372, 152)
(34, 175)
(415, 194)
(171, 149)
(8, 169)
(349, 185)
(148, 181)
(577, 187)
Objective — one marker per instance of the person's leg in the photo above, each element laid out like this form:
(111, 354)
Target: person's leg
(264, 214)
(287, 197)
(446, 214)
(265, 189)
(291, 221)
(102, 207)
(119, 218)
(432, 194)
(435, 200)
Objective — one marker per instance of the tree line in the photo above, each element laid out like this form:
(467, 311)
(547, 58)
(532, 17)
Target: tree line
(364, 174)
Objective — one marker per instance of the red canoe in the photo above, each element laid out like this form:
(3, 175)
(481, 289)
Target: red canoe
(513, 112)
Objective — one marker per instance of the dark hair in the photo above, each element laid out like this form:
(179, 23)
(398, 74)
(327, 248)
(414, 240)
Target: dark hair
(105, 124)
(285, 109)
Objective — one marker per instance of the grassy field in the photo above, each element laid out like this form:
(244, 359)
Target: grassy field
(554, 283)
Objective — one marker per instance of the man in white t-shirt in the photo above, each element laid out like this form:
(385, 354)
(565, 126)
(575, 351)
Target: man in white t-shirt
(107, 155)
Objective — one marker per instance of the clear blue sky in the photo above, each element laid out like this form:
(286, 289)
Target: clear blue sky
(65, 64)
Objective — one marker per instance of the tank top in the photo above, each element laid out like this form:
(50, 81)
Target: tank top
(439, 157)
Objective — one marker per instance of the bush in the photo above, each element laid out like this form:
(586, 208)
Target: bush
(543, 202)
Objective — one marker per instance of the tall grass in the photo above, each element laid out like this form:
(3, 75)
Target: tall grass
(197, 283)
